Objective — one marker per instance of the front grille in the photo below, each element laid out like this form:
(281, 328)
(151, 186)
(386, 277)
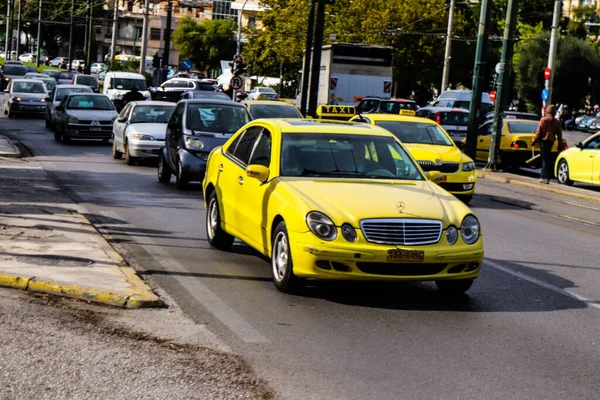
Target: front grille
(402, 231)
(397, 269)
(455, 187)
(101, 123)
(448, 167)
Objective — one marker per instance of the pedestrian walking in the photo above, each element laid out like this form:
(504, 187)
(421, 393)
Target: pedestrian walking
(548, 131)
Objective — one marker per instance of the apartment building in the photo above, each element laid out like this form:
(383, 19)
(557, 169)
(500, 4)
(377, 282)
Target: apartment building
(570, 5)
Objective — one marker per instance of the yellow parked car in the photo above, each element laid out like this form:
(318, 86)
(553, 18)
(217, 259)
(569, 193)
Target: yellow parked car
(271, 109)
(338, 200)
(433, 149)
(515, 143)
(580, 163)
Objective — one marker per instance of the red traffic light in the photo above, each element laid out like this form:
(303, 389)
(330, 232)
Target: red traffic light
(547, 73)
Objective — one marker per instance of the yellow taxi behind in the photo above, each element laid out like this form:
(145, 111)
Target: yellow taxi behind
(580, 163)
(338, 200)
(433, 149)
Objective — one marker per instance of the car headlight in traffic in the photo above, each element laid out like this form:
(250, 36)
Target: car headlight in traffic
(349, 233)
(139, 136)
(16, 99)
(321, 225)
(72, 119)
(469, 229)
(468, 166)
(194, 144)
(451, 234)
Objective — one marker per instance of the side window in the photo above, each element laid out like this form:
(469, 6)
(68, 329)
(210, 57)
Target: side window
(168, 84)
(593, 144)
(234, 143)
(246, 144)
(253, 90)
(484, 129)
(191, 85)
(177, 115)
(262, 150)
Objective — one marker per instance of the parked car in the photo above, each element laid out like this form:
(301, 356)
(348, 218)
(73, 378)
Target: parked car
(52, 73)
(580, 163)
(96, 68)
(11, 71)
(194, 129)
(462, 99)
(350, 205)
(66, 77)
(13, 54)
(117, 84)
(60, 62)
(25, 96)
(59, 93)
(46, 59)
(139, 131)
(262, 93)
(172, 89)
(87, 80)
(27, 57)
(453, 120)
(387, 106)
(84, 116)
(34, 75)
(271, 109)
(204, 94)
(75, 64)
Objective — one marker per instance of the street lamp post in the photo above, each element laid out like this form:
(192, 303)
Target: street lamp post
(239, 31)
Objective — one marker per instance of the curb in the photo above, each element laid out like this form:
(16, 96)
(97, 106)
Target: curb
(546, 188)
(17, 151)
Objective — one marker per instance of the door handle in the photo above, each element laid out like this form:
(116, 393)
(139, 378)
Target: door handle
(221, 167)
(240, 180)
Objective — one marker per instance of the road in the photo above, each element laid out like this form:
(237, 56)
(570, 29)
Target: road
(528, 328)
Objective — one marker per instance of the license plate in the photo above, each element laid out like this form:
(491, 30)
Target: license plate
(95, 129)
(405, 255)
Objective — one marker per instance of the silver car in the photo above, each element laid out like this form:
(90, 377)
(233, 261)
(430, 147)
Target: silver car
(453, 120)
(59, 93)
(139, 131)
(84, 116)
(25, 96)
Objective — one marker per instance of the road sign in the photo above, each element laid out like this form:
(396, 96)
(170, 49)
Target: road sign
(545, 94)
(497, 68)
(547, 73)
(236, 82)
(492, 95)
(187, 65)
(333, 83)
(387, 86)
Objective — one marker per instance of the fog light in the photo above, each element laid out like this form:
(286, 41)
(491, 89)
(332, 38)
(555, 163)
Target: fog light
(468, 186)
(349, 233)
(323, 264)
(471, 267)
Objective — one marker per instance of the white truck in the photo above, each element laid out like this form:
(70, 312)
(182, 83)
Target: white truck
(350, 72)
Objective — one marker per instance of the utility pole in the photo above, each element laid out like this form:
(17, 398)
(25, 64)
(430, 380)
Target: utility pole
(19, 28)
(479, 74)
(90, 28)
(87, 31)
(39, 36)
(145, 29)
(239, 32)
(115, 28)
(307, 55)
(316, 60)
(505, 69)
(8, 38)
(553, 47)
(167, 40)
(446, 73)
(70, 58)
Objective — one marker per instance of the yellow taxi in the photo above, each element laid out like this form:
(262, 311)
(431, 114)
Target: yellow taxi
(271, 109)
(336, 112)
(580, 163)
(515, 143)
(338, 200)
(433, 149)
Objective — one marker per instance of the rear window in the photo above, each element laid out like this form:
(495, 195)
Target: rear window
(17, 70)
(266, 111)
(394, 107)
(416, 132)
(454, 118)
(66, 75)
(207, 87)
(63, 92)
(86, 80)
(522, 127)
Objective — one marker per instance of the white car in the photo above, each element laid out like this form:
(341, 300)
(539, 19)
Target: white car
(96, 68)
(139, 131)
(59, 93)
(262, 93)
(27, 57)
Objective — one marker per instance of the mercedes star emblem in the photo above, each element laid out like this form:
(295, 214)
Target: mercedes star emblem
(400, 206)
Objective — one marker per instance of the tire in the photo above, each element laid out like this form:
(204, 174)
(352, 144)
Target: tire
(465, 198)
(562, 174)
(454, 287)
(164, 175)
(282, 266)
(129, 160)
(48, 123)
(116, 154)
(215, 234)
(181, 180)
(57, 136)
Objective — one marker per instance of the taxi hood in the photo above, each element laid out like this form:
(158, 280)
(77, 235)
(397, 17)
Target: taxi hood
(351, 200)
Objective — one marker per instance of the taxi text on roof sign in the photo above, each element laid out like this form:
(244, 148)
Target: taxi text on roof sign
(408, 112)
(336, 111)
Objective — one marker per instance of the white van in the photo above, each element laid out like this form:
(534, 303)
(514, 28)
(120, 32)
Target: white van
(116, 84)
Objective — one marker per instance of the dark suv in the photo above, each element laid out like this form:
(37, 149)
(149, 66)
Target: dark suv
(386, 106)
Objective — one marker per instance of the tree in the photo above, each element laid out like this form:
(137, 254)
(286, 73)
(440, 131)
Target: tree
(205, 43)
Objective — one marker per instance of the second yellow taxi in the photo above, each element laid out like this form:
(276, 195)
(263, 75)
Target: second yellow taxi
(338, 200)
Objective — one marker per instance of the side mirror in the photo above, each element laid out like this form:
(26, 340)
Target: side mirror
(459, 143)
(257, 171)
(579, 145)
(124, 119)
(436, 176)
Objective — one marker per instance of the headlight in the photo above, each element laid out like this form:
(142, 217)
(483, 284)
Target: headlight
(139, 136)
(72, 120)
(194, 144)
(321, 225)
(469, 229)
(468, 166)
(16, 99)
(451, 234)
(349, 233)
(43, 100)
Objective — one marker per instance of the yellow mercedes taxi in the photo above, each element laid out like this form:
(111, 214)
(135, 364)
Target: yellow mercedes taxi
(433, 149)
(580, 163)
(338, 200)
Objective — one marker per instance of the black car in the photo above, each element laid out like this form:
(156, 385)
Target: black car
(172, 89)
(386, 106)
(195, 128)
(11, 71)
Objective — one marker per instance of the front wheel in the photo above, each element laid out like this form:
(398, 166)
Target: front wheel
(563, 173)
(181, 181)
(217, 237)
(116, 154)
(129, 160)
(164, 175)
(454, 287)
(282, 266)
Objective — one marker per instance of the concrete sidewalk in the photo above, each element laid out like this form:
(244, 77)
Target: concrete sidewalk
(47, 245)
(8, 148)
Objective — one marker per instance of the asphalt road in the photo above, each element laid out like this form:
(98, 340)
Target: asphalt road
(528, 329)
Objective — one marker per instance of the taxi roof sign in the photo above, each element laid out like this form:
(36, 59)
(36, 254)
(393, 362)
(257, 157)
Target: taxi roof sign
(408, 112)
(333, 111)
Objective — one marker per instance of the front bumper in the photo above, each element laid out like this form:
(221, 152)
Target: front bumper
(28, 108)
(337, 260)
(89, 131)
(145, 148)
(461, 183)
(194, 164)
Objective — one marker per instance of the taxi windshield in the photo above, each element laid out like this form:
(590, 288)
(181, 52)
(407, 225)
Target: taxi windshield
(417, 132)
(345, 156)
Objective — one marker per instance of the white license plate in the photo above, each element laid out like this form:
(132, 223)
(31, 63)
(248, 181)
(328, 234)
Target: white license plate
(95, 129)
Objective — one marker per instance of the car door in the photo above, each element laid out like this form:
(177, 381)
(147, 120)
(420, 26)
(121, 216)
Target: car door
(581, 166)
(174, 129)
(252, 194)
(484, 137)
(119, 127)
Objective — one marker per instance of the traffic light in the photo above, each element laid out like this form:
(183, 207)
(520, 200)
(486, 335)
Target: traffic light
(239, 67)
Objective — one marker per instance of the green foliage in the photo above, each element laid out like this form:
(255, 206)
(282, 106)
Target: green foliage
(576, 25)
(205, 43)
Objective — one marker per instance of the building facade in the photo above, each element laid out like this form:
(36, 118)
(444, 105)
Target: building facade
(570, 5)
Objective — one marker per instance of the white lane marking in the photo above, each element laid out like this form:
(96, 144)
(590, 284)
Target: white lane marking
(581, 205)
(18, 167)
(543, 284)
(231, 319)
